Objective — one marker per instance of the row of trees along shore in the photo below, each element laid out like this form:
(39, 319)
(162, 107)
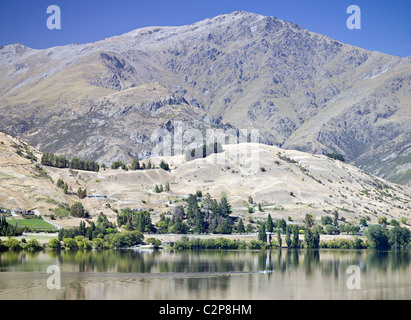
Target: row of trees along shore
(133, 224)
(378, 236)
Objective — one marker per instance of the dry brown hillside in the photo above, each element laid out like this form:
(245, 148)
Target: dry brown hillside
(286, 183)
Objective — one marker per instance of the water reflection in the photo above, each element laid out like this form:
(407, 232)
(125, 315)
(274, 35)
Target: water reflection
(128, 274)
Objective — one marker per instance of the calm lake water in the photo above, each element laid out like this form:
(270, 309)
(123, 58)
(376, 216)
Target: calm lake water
(204, 275)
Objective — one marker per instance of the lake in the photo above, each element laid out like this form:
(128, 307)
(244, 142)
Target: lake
(206, 275)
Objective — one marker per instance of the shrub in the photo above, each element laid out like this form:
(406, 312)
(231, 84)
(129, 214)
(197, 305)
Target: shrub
(257, 245)
(77, 210)
(164, 165)
(153, 241)
(81, 193)
(344, 244)
(70, 243)
(54, 244)
(126, 239)
(33, 245)
(13, 244)
(336, 156)
(135, 165)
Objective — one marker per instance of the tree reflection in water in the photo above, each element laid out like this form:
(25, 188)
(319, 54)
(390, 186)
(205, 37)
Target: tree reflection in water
(198, 274)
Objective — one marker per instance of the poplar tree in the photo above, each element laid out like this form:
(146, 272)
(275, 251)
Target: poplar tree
(279, 237)
(240, 227)
(295, 242)
(270, 224)
(262, 234)
(288, 236)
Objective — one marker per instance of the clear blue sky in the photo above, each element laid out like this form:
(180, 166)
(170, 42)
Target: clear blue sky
(386, 24)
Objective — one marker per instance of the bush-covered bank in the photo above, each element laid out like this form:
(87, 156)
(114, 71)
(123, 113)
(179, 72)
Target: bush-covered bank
(345, 244)
(13, 244)
(186, 243)
(217, 243)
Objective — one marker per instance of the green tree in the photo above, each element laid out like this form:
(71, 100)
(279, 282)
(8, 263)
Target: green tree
(70, 243)
(296, 232)
(142, 221)
(135, 165)
(13, 244)
(311, 238)
(363, 221)
(65, 188)
(60, 183)
(54, 244)
(200, 226)
(77, 210)
(399, 237)
(336, 156)
(325, 220)
(382, 220)
(81, 193)
(163, 226)
(180, 227)
(225, 227)
(249, 228)
(156, 243)
(225, 208)
(288, 231)
(126, 239)
(33, 245)
(240, 227)
(262, 235)
(309, 220)
(279, 240)
(329, 229)
(270, 223)
(167, 187)
(282, 225)
(99, 243)
(164, 165)
(378, 236)
(192, 207)
(335, 222)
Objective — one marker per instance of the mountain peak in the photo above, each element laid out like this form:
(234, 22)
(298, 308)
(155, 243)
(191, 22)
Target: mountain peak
(301, 90)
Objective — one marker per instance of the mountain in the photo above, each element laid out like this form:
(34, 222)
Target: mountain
(300, 89)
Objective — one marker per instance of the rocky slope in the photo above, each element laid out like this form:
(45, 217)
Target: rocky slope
(300, 89)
